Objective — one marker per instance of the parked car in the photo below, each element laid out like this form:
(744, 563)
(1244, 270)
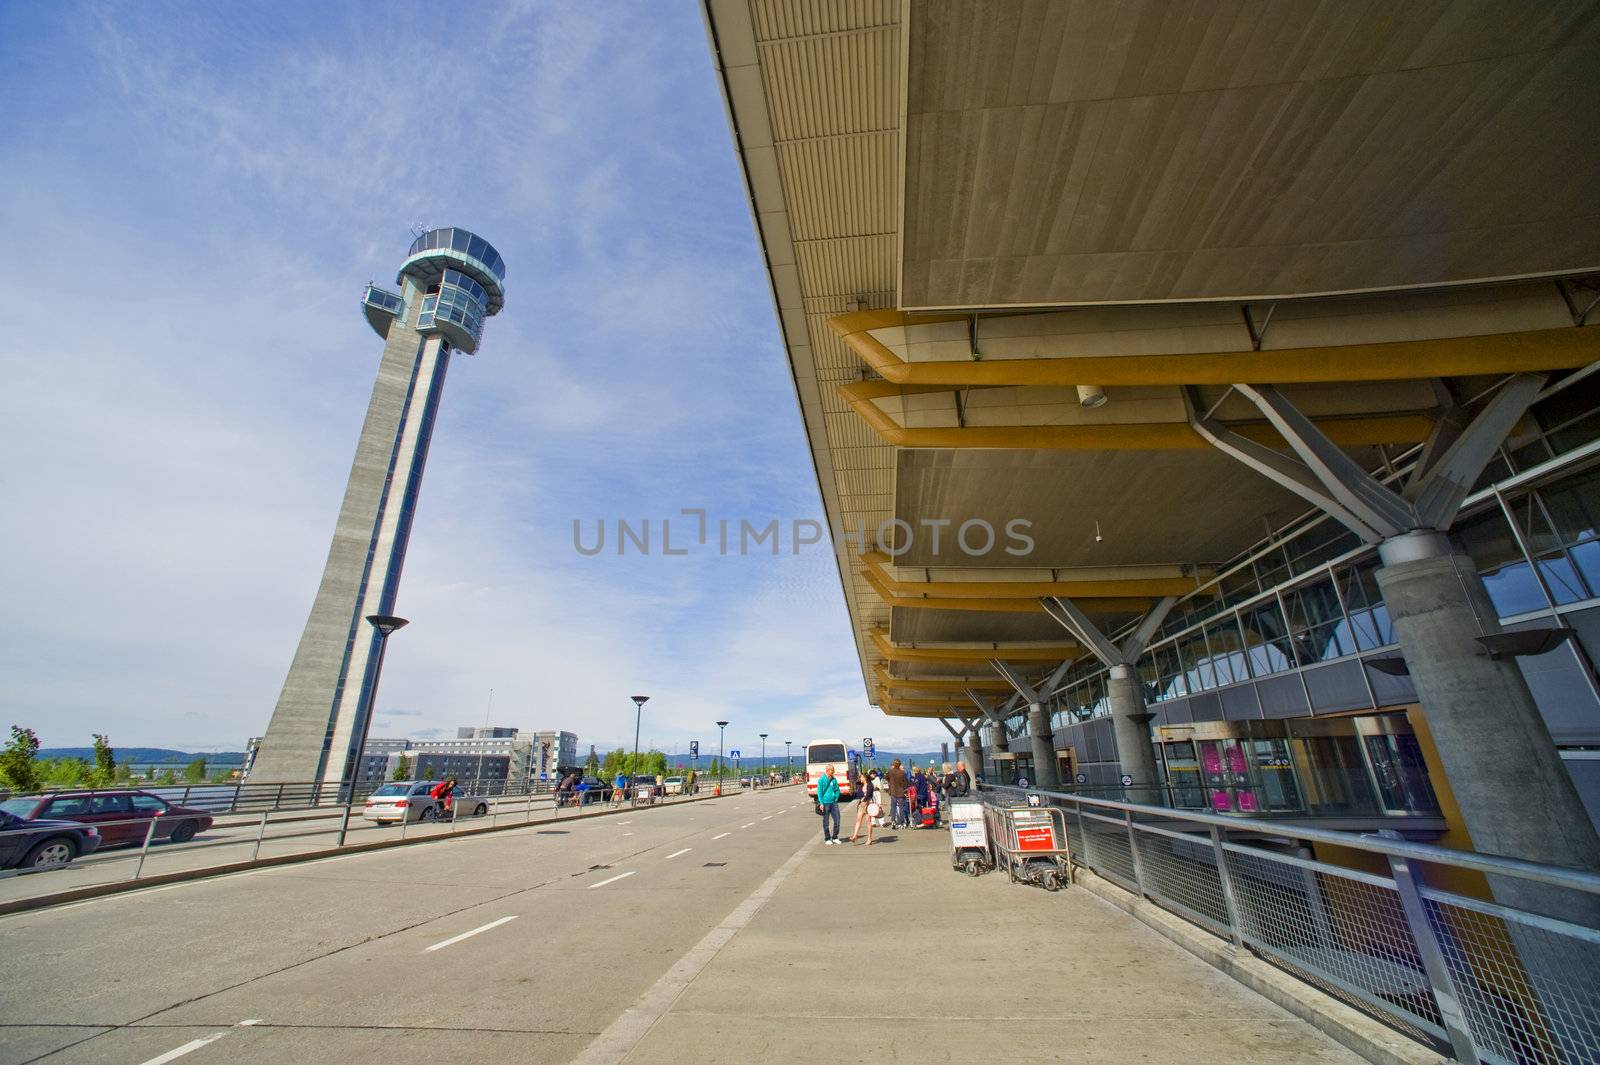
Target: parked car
(408, 800)
(120, 816)
(593, 789)
(41, 843)
(673, 785)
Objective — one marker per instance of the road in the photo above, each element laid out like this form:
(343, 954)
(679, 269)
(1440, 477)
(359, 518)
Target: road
(233, 839)
(700, 932)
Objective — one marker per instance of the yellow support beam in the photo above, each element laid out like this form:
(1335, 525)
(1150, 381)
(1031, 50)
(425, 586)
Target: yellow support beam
(1051, 653)
(924, 707)
(938, 684)
(998, 605)
(1530, 351)
(1126, 436)
(1071, 589)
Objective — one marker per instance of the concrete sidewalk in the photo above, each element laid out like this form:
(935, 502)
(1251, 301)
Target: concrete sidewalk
(958, 969)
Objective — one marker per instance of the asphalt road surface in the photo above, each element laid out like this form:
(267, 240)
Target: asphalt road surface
(700, 933)
(233, 839)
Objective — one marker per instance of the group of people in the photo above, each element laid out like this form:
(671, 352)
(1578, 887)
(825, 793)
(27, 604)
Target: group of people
(922, 789)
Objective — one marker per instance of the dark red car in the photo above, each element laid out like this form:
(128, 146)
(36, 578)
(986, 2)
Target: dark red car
(121, 816)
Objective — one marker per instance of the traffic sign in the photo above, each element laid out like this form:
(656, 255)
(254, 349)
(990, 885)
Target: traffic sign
(734, 753)
(1082, 779)
(1127, 780)
(867, 748)
(694, 748)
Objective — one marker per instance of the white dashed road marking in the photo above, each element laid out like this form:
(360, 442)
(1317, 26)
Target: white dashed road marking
(767, 818)
(613, 880)
(619, 1039)
(469, 935)
(717, 837)
(750, 825)
(674, 854)
(187, 1048)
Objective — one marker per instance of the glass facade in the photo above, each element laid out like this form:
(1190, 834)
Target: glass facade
(1312, 597)
(468, 244)
(460, 300)
(383, 300)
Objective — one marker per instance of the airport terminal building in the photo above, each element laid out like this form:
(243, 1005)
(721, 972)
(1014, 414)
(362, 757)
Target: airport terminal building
(1215, 386)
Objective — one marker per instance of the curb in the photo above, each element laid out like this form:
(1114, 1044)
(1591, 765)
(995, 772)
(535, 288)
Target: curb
(94, 891)
(1345, 1025)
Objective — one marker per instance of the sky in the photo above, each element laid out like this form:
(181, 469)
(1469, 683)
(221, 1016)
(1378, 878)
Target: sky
(196, 193)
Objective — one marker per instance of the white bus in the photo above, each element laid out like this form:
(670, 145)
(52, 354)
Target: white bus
(820, 754)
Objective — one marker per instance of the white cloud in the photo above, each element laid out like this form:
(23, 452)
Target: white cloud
(188, 372)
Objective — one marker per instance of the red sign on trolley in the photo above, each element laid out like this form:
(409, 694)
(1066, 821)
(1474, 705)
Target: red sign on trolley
(1035, 838)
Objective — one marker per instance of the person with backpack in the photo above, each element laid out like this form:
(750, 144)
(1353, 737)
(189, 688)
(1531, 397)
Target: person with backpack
(959, 783)
(919, 795)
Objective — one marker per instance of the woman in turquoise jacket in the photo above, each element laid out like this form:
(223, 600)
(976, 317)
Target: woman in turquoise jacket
(828, 799)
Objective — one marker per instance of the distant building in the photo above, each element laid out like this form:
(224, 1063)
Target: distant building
(472, 770)
(480, 753)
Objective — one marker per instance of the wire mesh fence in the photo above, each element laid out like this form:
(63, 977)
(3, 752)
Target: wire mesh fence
(1484, 958)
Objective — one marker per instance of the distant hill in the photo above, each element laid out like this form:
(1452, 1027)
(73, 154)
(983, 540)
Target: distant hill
(148, 755)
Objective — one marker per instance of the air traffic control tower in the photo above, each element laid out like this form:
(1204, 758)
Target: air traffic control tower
(449, 283)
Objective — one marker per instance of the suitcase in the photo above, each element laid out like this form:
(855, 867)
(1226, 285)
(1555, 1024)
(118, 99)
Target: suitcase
(926, 817)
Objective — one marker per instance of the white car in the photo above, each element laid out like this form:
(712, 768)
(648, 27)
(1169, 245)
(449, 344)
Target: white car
(408, 800)
(673, 785)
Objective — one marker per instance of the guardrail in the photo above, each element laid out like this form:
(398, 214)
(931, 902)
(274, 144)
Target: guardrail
(1406, 932)
(279, 832)
(246, 797)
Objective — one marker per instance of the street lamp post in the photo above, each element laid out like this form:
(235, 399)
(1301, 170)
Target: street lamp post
(788, 770)
(386, 625)
(638, 715)
(763, 736)
(722, 759)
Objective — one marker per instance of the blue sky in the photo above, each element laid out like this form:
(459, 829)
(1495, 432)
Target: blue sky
(196, 193)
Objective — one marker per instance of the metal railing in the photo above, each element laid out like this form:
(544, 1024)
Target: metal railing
(136, 847)
(227, 797)
(1479, 956)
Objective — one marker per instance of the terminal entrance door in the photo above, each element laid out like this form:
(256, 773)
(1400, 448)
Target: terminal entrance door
(1010, 767)
(1232, 767)
(1249, 776)
(1067, 768)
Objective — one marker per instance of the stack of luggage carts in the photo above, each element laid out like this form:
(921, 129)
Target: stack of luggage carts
(1029, 842)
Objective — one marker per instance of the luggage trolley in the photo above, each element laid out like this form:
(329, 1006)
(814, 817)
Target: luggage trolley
(1031, 843)
(969, 837)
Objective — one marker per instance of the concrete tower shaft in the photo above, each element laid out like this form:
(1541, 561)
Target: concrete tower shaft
(450, 281)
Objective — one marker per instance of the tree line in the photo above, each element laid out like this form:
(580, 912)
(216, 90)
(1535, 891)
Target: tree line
(22, 770)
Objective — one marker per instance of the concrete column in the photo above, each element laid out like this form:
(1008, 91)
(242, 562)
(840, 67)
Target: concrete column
(1045, 774)
(997, 745)
(973, 755)
(1514, 794)
(1131, 723)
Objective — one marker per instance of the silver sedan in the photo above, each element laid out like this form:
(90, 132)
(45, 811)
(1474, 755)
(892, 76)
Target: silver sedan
(408, 800)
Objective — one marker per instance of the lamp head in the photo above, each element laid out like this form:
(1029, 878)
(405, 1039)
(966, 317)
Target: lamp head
(386, 623)
(763, 735)
(640, 700)
(722, 724)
